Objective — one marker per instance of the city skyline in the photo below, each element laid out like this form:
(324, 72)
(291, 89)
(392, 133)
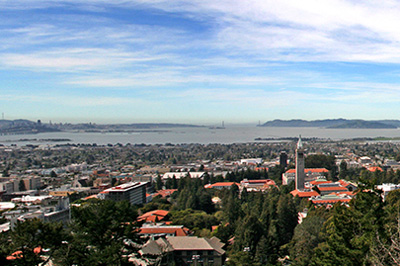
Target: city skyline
(198, 61)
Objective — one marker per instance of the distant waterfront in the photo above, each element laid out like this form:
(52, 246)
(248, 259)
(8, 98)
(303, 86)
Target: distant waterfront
(231, 134)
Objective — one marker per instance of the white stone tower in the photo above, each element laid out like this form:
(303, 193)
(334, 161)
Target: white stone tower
(300, 166)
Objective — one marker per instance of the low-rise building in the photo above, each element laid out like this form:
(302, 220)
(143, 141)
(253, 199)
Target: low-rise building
(221, 185)
(386, 188)
(187, 250)
(257, 184)
(179, 175)
(331, 199)
(153, 216)
(161, 230)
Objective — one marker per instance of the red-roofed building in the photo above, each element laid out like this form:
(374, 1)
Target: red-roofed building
(349, 185)
(164, 193)
(304, 194)
(319, 181)
(330, 187)
(163, 230)
(311, 174)
(374, 169)
(153, 216)
(330, 199)
(257, 184)
(340, 191)
(221, 185)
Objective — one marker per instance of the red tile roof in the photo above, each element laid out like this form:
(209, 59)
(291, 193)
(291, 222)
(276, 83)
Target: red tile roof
(316, 182)
(304, 194)
(308, 170)
(260, 181)
(343, 182)
(336, 188)
(374, 169)
(153, 216)
(221, 184)
(164, 193)
(176, 231)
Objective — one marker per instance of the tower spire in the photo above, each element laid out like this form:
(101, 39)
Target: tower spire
(299, 143)
(300, 176)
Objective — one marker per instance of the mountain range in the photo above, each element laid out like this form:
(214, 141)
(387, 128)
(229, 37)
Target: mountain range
(334, 123)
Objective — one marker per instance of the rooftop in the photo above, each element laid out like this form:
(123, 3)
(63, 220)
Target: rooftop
(310, 170)
(195, 243)
(125, 187)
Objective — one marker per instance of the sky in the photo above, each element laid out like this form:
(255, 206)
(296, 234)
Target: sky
(199, 61)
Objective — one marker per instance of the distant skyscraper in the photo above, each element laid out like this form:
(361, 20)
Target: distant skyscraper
(283, 157)
(300, 166)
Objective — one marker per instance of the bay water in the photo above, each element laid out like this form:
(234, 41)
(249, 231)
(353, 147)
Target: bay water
(201, 135)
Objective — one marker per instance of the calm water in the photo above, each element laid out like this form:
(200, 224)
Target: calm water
(232, 134)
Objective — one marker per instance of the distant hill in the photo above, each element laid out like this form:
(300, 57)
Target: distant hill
(363, 124)
(334, 123)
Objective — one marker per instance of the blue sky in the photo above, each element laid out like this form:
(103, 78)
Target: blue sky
(199, 61)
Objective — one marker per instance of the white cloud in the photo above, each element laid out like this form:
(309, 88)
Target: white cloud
(74, 101)
(238, 56)
(74, 59)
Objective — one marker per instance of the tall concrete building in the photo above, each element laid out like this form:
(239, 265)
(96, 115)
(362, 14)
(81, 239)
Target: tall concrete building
(283, 157)
(300, 176)
(133, 192)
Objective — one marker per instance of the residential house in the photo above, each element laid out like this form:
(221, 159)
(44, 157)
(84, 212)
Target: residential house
(186, 250)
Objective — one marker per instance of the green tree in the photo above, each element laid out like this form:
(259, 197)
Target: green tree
(159, 183)
(194, 219)
(101, 231)
(36, 241)
(343, 169)
(247, 234)
(5, 249)
(351, 231)
(306, 237)
(320, 161)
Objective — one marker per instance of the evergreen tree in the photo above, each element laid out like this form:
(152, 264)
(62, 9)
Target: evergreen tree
(306, 237)
(101, 231)
(287, 218)
(351, 231)
(159, 183)
(343, 169)
(35, 242)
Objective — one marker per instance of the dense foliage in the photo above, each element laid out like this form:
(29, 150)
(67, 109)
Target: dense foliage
(101, 233)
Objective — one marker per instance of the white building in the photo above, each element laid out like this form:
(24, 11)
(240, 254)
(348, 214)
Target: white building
(179, 175)
(133, 192)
